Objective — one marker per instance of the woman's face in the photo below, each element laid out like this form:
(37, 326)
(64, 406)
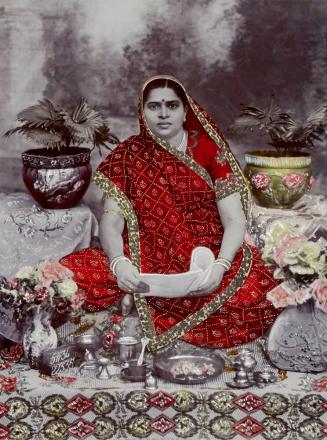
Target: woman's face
(164, 112)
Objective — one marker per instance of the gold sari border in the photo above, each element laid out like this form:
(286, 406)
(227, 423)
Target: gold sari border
(158, 342)
(112, 190)
(227, 152)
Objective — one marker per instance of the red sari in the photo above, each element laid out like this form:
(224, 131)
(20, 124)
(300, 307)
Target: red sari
(168, 199)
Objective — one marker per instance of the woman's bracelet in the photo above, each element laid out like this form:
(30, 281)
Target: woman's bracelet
(113, 212)
(223, 262)
(116, 260)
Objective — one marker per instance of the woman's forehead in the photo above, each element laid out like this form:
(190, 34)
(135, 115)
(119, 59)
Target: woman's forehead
(160, 94)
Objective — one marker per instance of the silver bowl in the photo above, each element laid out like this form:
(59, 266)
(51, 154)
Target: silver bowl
(90, 343)
(164, 366)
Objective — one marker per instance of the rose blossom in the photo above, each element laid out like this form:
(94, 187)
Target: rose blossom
(319, 293)
(280, 297)
(320, 384)
(67, 288)
(29, 296)
(311, 183)
(293, 180)
(77, 301)
(115, 319)
(8, 384)
(284, 246)
(109, 338)
(53, 271)
(42, 294)
(260, 181)
(302, 295)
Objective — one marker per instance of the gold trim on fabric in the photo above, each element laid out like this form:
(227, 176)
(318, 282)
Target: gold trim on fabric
(183, 157)
(112, 190)
(160, 341)
(227, 152)
(244, 192)
(163, 340)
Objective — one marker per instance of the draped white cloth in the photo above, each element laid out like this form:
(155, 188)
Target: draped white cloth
(30, 233)
(177, 285)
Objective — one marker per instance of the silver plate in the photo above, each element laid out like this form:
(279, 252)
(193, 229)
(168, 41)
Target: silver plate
(164, 364)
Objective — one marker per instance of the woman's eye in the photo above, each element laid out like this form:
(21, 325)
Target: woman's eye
(152, 106)
(173, 105)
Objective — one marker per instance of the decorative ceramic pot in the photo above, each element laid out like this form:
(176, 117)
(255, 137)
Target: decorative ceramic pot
(277, 181)
(39, 335)
(298, 339)
(57, 179)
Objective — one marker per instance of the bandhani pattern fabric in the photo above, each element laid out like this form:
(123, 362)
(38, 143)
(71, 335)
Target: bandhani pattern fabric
(168, 199)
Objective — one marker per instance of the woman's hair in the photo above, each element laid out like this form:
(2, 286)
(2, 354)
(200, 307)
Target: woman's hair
(161, 83)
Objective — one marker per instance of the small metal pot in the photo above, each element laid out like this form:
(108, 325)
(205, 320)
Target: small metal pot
(127, 348)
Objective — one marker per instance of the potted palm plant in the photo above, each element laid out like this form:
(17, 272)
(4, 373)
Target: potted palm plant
(59, 172)
(280, 177)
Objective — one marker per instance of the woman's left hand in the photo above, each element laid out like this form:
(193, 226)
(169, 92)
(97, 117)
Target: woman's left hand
(213, 282)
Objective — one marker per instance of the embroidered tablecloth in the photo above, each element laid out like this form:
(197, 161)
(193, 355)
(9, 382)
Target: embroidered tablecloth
(308, 215)
(30, 233)
(35, 408)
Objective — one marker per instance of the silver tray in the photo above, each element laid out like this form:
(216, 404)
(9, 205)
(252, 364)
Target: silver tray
(164, 363)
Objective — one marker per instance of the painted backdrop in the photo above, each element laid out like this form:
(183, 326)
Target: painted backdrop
(226, 52)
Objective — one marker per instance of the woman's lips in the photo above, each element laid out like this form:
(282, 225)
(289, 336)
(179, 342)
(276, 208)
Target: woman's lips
(164, 124)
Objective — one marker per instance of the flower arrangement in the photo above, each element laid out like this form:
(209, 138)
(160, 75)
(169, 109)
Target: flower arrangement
(48, 124)
(300, 262)
(47, 285)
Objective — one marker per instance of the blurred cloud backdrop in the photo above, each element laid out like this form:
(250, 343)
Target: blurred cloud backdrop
(226, 52)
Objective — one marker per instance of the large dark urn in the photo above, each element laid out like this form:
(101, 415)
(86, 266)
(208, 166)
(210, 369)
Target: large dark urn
(57, 179)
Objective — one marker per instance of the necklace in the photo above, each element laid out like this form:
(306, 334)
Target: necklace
(182, 144)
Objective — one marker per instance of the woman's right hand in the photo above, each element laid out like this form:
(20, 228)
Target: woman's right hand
(128, 278)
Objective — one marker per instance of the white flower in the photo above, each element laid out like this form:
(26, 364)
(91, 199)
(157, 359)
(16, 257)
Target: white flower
(67, 288)
(26, 272)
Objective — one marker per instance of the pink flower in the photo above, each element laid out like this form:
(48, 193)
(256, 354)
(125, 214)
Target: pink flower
(293, 180)
(5, 366)
(42, 294)
(29, 296)
(280, 297)
(320, 384)
(77, 301)
(53, 272)
(109, 338)
(14, 284)
(311, 183)
(115, 319)
(319, 293)
(284, 246)
(260, 181)
(8, 384)
(302, 295)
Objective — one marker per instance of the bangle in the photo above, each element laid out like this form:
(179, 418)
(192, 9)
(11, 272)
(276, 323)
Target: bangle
(116, 260)
(113, 212)
(223, 262)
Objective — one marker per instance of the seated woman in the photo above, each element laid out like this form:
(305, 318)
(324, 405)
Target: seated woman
(169, 189)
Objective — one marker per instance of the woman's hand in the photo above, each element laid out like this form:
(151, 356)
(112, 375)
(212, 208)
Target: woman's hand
(128, 278)
(213, 282)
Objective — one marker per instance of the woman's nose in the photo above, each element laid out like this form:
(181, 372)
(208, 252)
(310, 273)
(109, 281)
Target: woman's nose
(163, 112)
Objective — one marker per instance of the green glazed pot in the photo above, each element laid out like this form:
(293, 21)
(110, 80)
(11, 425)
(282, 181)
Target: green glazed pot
(278, 181)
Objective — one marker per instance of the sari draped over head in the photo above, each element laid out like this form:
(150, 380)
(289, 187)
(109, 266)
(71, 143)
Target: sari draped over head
(169, 201)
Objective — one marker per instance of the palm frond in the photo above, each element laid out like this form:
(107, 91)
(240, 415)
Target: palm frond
(44, 111)
(50, 140)
(84, 121)
(285, 132)
(49, 124)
